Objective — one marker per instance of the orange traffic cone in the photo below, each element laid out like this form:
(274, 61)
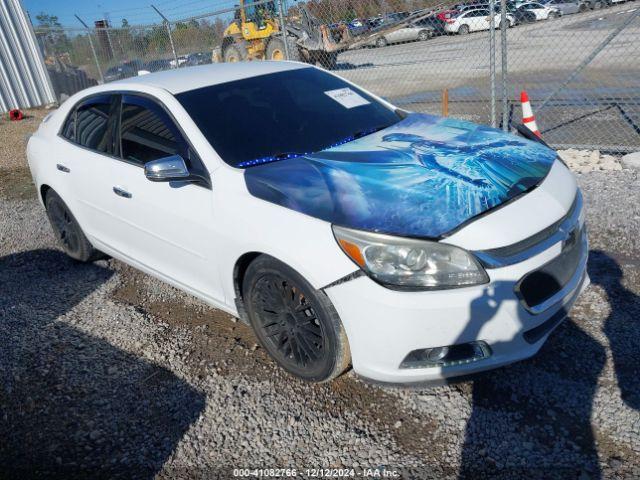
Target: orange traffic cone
(528, 118)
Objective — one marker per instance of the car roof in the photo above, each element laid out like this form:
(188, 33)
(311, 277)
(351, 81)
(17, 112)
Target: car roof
(191, 78)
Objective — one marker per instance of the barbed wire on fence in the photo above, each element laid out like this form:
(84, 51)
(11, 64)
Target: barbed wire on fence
(579, 59)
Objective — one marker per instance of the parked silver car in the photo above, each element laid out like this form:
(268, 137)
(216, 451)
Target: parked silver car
(568, 7)
(408, 33)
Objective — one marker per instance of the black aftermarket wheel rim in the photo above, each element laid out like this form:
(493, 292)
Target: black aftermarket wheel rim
(64, 226)
(289, 323)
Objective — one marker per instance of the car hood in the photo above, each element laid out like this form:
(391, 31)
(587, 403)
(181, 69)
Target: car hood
(422, 177)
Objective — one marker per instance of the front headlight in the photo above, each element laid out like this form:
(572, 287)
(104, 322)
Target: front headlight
(410, 263)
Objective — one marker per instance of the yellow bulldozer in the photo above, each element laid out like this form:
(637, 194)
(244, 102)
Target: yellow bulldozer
(256, 34)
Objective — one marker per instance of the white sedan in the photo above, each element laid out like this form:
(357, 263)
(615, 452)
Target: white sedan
(474, 21)
(542, 12)
(342, 230)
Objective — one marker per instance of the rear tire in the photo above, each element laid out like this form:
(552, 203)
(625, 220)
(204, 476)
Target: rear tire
(424, 35)
(276, 49)
(67, 230)
(463, 30)
(235, 53)
(296, 324)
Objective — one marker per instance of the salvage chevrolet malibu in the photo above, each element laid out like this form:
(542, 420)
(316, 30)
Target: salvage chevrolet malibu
(343, 230)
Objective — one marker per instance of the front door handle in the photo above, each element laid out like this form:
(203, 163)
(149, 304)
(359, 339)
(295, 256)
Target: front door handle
(62, 168)
(121, 193)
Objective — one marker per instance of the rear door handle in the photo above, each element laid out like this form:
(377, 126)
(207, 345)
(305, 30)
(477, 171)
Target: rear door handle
(62, 168)
(121, 193)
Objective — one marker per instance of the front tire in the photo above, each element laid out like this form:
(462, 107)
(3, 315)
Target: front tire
(296, 324)
(67, 230)
(381, 42)
(463, 30)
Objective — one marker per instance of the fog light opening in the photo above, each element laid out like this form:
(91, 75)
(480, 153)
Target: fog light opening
(436, 354)
(449, 356)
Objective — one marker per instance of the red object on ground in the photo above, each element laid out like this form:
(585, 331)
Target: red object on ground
(16, 114)
(528, 118)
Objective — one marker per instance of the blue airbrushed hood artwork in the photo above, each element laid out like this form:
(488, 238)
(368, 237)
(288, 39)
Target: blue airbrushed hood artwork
(421, 177)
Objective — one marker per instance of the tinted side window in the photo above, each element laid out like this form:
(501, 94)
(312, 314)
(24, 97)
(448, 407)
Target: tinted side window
(69, 129)
(93, 128)
(147, 132)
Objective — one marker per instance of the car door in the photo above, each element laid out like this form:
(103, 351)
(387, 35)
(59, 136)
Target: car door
(481, 20)
(396, 36)
(537, 9)
(167, 226)
(404, 34)
(87, 158)
(468, 18)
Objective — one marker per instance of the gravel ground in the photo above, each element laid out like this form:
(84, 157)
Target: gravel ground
(108, 373)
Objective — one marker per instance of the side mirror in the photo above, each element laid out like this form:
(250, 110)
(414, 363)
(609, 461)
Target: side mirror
(168, 169)
(174, 169)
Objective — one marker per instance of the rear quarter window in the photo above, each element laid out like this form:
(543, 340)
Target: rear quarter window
(93, 122)
(69, 127)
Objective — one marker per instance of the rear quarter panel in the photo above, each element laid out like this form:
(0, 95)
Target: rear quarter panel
(44, 152)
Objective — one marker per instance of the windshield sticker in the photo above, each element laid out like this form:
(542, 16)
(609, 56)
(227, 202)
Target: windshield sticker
(347, 97)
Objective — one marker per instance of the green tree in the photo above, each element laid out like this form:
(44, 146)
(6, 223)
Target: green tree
(50, 29)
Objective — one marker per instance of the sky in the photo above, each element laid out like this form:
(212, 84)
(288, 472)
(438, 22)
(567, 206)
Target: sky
(135, 11)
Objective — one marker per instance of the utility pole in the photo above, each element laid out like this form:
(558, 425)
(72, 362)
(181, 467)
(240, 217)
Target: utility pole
(93, 49)
(283, 28)
(503, 64)
(492, 58)
(168, 27)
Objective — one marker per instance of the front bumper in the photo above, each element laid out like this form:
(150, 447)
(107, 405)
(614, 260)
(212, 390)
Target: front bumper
(384, 325)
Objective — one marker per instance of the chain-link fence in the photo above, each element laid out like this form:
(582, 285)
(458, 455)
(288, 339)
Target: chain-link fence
(579, 60)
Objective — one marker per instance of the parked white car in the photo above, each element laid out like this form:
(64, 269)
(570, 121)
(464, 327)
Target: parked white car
(474, 21)
(343, 230)
(542, 12)
(182, 59)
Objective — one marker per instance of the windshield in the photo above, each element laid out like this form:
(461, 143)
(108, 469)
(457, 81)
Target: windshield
(282, 115)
